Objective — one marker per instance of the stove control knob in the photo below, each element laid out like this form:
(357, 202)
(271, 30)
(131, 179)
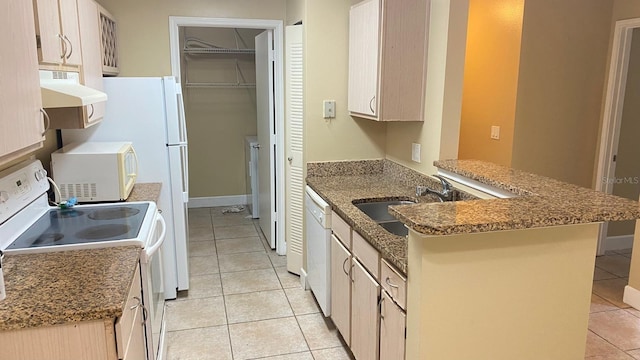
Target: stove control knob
(4, 197)
(40, 174)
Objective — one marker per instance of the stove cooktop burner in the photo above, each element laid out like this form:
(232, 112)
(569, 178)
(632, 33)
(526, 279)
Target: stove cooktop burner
(83, 224)
(100, 232)
(48, 239)
(67, 213)
(111, 214)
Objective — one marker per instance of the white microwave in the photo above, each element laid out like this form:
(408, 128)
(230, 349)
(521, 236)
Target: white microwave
(95, 171)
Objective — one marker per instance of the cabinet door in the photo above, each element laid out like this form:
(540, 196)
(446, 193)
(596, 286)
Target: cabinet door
(20, 119)
(341, 288)
(364, 28)
(88, 18)
(70, 31)
(392, 329)
(50, 47)
(364, 314)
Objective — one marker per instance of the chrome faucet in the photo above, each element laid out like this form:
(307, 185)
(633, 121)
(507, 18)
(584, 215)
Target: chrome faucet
(447, 193)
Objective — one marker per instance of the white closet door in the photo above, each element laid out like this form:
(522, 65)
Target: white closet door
(295, 173)
(266, 136)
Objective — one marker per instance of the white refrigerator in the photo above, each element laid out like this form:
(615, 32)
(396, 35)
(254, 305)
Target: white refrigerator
(149, 112)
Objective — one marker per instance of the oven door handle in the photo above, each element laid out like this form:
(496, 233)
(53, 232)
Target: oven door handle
(149, 251)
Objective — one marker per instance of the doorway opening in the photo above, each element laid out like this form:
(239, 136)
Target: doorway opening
(618, 171)
(239, 80)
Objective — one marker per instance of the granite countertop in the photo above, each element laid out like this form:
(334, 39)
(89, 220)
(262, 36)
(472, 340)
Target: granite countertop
(340, 183)
(540, 201)
(145, 192)
(53, 288)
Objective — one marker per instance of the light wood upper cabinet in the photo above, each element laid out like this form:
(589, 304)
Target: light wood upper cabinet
(341, 288)
(387, 59)
(392, 329)
(21, 122)
(365, 317)
(58, 32)
(108, 42)
(90, 74)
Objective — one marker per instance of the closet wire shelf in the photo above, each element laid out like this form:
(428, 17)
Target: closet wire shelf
(195, 46)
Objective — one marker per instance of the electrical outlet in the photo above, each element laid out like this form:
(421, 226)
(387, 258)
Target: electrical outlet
(495, 132)
(415, 152)
(329, 109)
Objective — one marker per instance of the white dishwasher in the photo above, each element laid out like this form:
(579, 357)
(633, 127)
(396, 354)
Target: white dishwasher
(318, 239)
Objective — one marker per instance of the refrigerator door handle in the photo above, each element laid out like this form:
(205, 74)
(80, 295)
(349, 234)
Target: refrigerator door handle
(185, 174)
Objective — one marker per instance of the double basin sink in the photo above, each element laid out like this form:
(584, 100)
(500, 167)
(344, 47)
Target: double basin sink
(378, 211)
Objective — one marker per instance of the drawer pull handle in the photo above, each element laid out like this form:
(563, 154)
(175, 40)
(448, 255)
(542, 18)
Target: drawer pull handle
(351, 273)
(380, 307)
(388, 281)
(145, 313)
(343, 264)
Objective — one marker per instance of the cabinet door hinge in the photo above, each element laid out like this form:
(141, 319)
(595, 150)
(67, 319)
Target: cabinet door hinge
(615, 157)
(38, 43)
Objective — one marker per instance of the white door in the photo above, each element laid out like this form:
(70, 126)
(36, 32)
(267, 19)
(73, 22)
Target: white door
(295, 173)
(266, 136)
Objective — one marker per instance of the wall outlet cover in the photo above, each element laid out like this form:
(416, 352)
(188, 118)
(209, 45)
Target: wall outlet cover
(415, 152)
(495, 132)
(329, 109)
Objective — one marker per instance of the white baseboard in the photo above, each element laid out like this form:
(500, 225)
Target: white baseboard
(303, 279)
(618, 242)
(631, 297)
(213, 201)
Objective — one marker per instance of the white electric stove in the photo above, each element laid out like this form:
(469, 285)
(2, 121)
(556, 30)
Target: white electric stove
(29, 224)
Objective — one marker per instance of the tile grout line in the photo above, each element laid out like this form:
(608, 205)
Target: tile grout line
(224, 298)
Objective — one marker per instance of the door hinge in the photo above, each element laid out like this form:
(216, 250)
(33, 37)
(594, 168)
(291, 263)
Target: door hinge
(615, 157)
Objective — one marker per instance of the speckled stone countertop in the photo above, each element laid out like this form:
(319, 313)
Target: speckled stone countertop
(541, 201)
(340, 183)
(53, 288)
(145, 192)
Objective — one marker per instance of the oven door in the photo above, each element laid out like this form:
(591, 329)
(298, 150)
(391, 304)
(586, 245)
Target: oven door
(152, 267)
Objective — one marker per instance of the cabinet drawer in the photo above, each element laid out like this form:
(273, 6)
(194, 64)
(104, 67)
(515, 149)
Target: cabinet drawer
(367, 254)
(341, 229)
(126, 322)
(394, 283)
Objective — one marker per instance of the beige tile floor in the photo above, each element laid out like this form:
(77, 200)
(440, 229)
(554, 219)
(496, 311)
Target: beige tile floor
(614, 327)
(244, 304)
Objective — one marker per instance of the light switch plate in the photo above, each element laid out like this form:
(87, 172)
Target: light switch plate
(329, 109)
(495, 132)
(415, 152)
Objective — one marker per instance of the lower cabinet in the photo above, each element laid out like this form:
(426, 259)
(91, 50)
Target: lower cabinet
(367, 317)
(392, 329)
(104, 339)
(341, 288)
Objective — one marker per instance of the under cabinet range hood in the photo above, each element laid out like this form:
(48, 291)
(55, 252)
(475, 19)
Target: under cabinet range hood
(63, 89)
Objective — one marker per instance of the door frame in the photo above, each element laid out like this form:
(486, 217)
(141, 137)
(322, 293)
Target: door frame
(612, 115)
(175, 22)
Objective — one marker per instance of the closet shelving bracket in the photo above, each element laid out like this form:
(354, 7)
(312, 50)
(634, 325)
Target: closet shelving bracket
(195, 46)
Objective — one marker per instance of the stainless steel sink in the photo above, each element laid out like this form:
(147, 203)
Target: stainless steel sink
(395, 227)
(378, 211)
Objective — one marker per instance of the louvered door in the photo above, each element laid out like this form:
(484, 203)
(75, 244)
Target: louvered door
(295, 173)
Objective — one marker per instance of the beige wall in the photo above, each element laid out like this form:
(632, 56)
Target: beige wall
(491, 79)
(561, 79)
(627, 172)
(326, 29)
(438, 135)
(295, 11)
(143, 27)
